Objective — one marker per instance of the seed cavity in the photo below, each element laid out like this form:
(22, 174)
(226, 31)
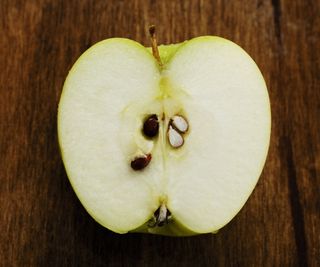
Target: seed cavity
(161, 217)
(180, 123)
(151, 126)
(175, 138)
(140, 162)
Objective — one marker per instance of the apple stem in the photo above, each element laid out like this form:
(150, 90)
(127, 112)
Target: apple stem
(154, 45)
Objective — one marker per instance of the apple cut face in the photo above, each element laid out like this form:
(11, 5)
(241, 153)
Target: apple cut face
(209, 83)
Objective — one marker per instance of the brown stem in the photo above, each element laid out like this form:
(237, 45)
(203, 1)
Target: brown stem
(155, 50)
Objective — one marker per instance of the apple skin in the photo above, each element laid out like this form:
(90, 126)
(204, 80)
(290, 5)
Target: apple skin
(174, 228)
(167, 51)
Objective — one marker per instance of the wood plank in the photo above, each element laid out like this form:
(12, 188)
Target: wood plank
(41, 220)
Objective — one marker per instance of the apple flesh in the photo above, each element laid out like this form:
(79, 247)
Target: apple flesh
(115, 85)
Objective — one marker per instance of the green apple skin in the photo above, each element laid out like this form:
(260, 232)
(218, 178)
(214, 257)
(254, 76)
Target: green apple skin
(175, 227)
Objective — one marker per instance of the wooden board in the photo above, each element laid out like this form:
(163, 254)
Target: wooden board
(41, 221)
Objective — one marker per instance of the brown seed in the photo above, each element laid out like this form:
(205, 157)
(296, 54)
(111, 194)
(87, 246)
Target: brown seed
(151, 126)
(141, 162)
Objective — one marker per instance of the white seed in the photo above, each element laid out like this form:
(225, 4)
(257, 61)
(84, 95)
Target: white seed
(175, 138)
(180, 123)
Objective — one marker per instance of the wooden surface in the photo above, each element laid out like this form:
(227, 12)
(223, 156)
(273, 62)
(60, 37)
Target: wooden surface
(41, 221)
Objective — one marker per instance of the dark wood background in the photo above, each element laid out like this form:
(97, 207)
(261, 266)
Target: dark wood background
(41, 221)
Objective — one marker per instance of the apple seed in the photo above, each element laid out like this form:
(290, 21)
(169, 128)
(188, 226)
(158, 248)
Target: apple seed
(175, 138)
(141, 162)
(179, 123)
(151, 126)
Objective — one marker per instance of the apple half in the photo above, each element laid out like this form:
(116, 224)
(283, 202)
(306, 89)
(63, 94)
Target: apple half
(193, 188)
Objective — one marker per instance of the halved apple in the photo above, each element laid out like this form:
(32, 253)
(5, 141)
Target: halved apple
(171, 145)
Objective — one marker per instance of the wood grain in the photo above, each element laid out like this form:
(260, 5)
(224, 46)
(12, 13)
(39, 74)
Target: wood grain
(41, 221)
